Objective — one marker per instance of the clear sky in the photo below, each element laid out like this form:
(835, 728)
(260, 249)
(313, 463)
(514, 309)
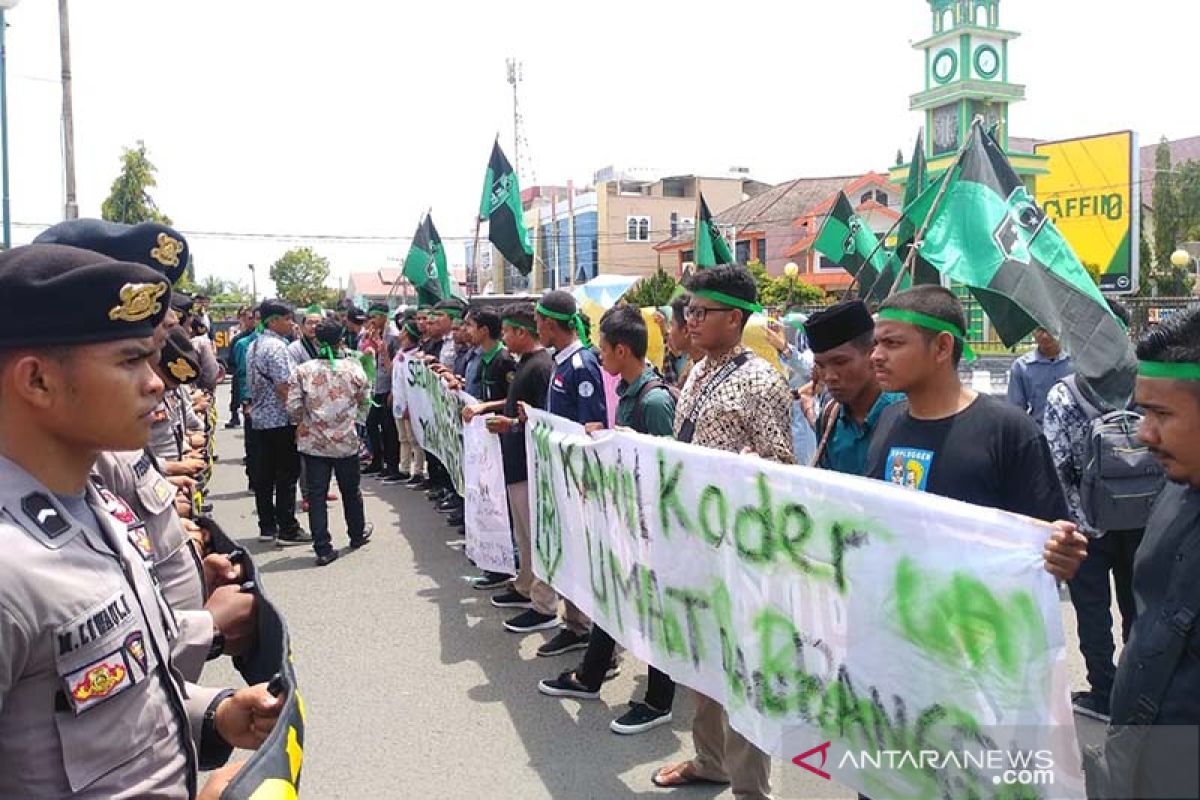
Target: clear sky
(351, 118)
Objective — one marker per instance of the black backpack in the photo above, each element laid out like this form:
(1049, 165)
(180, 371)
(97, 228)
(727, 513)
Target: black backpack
(1119, 478)
(639, 422)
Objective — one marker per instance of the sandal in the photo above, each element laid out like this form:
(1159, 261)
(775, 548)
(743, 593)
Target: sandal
(684, 774)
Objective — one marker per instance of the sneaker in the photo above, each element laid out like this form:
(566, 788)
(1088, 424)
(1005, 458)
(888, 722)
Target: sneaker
(327, 559)
(232, 424)
(491, 580)
(267, 537)
(531, 621)
(435, 495)
(511, 599)
(299, 536)
(414, 480)
(448, 505)
(1091, 704)
(368, 529)
(564, 642)
(421, 485)
(639, 718)
(371, 469)
(566, 685)
(391, 479)
(456, 519)
(405, 477)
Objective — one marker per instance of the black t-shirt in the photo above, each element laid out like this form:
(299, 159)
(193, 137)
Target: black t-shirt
(530, 385)
(497, 375)
(990, 454)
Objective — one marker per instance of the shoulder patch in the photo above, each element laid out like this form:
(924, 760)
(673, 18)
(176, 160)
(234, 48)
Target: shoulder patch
(577, 360)
(142, 466)
(45, 514)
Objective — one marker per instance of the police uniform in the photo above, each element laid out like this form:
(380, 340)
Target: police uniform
(91, 705)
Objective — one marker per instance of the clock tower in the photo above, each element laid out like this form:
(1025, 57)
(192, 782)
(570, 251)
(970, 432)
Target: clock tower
(966, 75)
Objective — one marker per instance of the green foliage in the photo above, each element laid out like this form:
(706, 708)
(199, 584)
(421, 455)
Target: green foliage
(1176, 204)
(300, 275)
(222, 292)
(129, 199)
(653, 290)
(783, 291)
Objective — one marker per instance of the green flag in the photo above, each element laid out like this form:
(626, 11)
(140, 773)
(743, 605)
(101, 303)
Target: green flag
(914, 217)
(847, 241)
(425, 265)
(501, 207)
(711, 247)
(988, 234)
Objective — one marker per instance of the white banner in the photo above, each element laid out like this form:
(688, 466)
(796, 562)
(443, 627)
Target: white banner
(902, 644)
(436, 416)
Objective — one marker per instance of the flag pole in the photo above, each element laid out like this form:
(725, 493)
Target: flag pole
(879, 244)
(475, 253)
(919, 237)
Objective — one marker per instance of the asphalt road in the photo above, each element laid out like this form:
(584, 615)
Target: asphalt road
(413, 689)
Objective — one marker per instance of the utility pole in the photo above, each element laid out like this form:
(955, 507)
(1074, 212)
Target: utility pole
(71, 210)
(5, 5)
(515, 76)
(253, 286)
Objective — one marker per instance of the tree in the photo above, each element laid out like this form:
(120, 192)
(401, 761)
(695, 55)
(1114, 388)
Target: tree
(129, 199)
(782, 291)
(300, 276)
(653, 290)
(1176, 203)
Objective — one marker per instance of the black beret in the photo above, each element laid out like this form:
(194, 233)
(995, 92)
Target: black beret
(56, 295)
(182, 301)
(151, 243)
(840, 323)
(559, 301)
(274, 308)
(179, 360)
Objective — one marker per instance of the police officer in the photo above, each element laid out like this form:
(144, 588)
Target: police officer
(90, 703)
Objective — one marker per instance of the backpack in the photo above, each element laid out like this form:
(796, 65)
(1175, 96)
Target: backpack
(639, 422)
(1119, 478)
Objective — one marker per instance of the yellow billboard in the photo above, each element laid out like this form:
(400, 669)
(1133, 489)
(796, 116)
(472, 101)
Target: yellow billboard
(1091, 194)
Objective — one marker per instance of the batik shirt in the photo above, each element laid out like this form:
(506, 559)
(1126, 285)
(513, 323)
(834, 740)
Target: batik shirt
(325, 400)
(268, 366)
(750, 408)
(1066, 426)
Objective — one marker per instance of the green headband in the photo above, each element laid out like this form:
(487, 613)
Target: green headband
(263, 323)
(412, 330)
(929, 323)
(1180, 371)
(574, 320)
(729, 300)
(327, 351)
(516, 323)
(377, 314)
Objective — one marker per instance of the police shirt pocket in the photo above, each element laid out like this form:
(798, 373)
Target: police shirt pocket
(105, 710)
(155, 492)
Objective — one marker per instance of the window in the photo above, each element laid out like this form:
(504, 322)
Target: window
(762, 250)
(674, 224)
(825, 265)
(741, 253)
(637, 229)
(866, 196)
(881, 197)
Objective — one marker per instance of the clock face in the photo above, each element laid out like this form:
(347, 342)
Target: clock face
(987, 61)
(945, 63)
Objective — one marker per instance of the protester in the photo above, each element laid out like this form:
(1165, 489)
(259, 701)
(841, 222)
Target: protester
(245, 317)
(733, 401)
(241, 377)
(1032, 375)
(797, 360)
(1071, 408)
(412, 457)
(496, 373)
(1155, 707)
(206, 351)
(377, 340)
(325, 397)
(682, 354)
(439, 348)
(647, 406)
(530, 385)
(842, 337)
(277, 464)
(576, 393)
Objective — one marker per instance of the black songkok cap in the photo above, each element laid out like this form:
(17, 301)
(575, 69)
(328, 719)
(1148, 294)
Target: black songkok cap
(104, 300)
(834, 326)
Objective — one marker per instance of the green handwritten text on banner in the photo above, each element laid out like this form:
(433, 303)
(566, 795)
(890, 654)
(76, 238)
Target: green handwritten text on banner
(817, 607)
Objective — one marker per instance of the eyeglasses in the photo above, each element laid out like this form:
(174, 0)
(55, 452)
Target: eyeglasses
(698, 313)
